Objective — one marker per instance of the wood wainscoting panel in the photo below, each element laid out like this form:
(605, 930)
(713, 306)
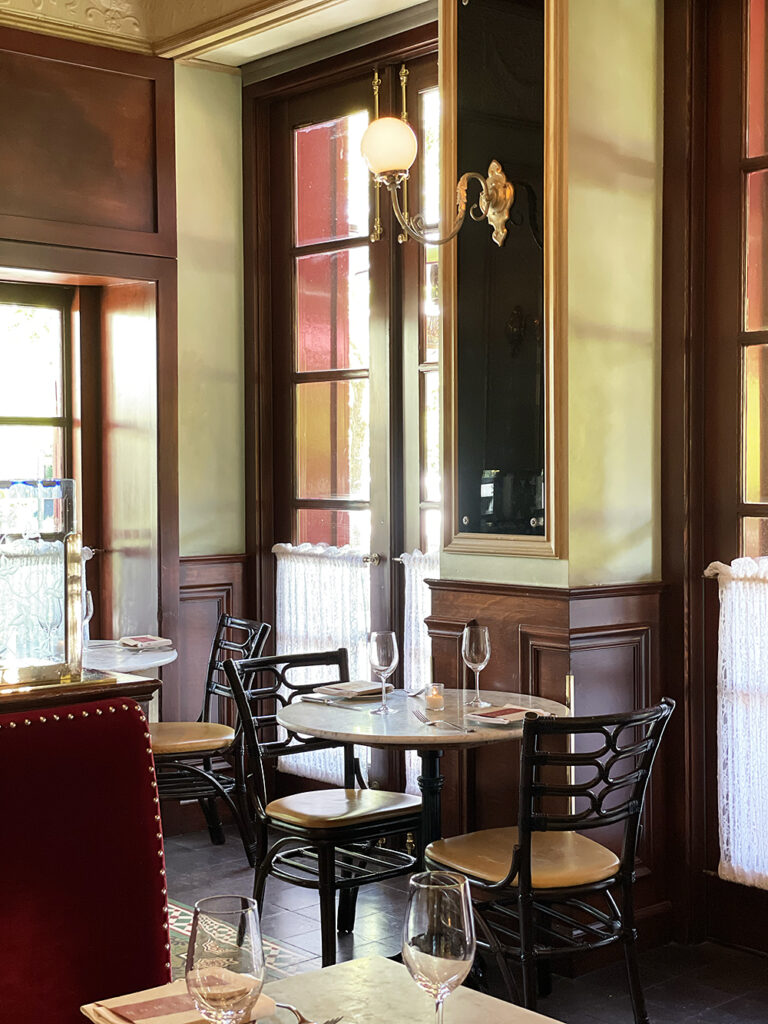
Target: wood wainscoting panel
(608, 638)
(88, 146)
(208, 587)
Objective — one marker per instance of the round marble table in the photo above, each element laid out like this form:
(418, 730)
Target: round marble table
(110, 656)
(352, 722)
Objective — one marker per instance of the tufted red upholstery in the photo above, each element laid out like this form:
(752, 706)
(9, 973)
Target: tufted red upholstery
(82, 874)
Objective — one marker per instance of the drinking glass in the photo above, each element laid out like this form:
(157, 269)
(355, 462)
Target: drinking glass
(225, 961)
(87, 616)
(384, 657)
(439, 934)
(476, 652)
(49, 616)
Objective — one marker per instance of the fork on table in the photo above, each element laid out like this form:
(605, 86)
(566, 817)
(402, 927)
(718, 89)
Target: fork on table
(421, 717)
(300, 1016)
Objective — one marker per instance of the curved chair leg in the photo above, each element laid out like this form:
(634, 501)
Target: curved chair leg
(527, 955)
(629, 940)
(501, 961)
(326, 879)
(348, 898)
(212, 820)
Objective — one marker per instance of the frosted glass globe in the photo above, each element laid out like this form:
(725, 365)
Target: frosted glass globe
(389, 144)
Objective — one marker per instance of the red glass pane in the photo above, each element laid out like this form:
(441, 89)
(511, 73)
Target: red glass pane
(757, 88)
(328, 526)
(332, 440)
(332, 314)
(756, 297)
(332, 182)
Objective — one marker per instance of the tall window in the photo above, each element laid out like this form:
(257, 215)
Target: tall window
(35, 382)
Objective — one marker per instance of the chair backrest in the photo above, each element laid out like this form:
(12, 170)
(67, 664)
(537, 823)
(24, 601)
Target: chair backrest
(240, 638)
(579, 774)
(83, 914)
(260, 687)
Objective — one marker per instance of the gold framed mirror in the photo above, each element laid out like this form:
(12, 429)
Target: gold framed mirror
(503, 74)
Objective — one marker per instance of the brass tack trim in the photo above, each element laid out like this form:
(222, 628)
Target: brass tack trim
(112, 709)
(27, 722)
(168, 967)
(70, 717)
(85, 714)
(43, 718)
(147, 736)
(167, 946)
(164, 892)
(125, 707)
(157, 817)
(162, 871)
(99, 711)
(56, 718)
(12, 725)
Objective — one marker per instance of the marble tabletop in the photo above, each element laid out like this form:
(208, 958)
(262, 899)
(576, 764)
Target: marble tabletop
(110, 656)
(354, 723)
(374, 990)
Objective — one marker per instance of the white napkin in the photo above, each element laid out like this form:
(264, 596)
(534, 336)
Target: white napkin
(508, 713)
(360, 688)
(145, 643)
(167, 1004)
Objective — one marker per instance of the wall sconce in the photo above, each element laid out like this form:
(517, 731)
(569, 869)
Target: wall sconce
(389, 147)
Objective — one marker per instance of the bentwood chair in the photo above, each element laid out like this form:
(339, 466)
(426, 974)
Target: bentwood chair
(326, 839)
(185, 751)
(544, 889)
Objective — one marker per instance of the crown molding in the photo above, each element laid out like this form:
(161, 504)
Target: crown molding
(118, 24)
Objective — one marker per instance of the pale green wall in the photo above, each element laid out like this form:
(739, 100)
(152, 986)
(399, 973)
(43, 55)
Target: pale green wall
(614, 223)
(210, 262)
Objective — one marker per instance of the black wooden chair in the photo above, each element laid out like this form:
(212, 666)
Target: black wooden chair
(326, 838)
(543, 889)
(184, 751)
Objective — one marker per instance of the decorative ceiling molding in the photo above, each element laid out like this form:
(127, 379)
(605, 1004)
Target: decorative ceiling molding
(117, 23)
(248, 20)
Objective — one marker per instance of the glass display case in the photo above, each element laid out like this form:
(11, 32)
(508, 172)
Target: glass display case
(41, 591)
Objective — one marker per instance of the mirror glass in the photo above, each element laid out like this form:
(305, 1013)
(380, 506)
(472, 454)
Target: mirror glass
(500, 344)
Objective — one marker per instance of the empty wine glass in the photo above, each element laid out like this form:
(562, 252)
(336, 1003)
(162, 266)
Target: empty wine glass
(49, 616)
(87, 616)
(384, 657)
(439, 934)
(225, 960)
(476, 652)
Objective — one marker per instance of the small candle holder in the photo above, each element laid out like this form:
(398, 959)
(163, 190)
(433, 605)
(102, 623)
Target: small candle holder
(434, 697)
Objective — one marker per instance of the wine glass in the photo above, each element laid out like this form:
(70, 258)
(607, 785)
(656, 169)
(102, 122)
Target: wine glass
(439, 934)
(225, 960)
(49, 616)
(87, 616)
(384, 657)
(476, 652)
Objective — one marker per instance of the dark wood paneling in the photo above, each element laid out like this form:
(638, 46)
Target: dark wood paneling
(87, 136)
(208, 587)
(609, 638)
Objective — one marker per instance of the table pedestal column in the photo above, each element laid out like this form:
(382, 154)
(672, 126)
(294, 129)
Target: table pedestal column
(431, 784)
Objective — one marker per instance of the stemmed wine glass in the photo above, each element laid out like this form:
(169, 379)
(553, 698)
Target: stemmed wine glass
(476, 652)
(87, 616)
(49, 616)
(384, 657)
(225, 960)
(439, 934)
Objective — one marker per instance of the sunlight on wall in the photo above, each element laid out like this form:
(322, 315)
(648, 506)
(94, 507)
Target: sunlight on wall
(210, 262)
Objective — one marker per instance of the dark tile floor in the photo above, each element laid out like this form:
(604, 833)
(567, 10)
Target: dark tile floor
(703, 984)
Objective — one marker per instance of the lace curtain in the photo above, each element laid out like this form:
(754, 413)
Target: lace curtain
(417, 652)
(323, 602)
(742, 720)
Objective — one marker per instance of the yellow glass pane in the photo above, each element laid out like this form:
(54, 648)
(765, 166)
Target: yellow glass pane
(333, 440)
(755, 419)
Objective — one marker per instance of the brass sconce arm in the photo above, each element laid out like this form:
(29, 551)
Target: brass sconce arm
(494, 203)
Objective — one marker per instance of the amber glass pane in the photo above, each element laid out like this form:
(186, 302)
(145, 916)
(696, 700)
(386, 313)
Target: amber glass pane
(31, 453)
(754, 536)
(756, 312)
(757, 89)
(31, 378)
(328, 526)
(333, 304)
(333, 440)
(332, 183)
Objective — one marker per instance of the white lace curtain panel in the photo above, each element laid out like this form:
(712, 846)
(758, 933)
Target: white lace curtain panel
(418, 567)
(742, 720)
(323, 602)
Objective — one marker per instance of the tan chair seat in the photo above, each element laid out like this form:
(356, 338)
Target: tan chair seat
(558, 859)
(334, 808)
(189, 737)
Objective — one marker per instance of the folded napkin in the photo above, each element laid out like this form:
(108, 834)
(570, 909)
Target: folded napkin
(361, 688)
(168, 1004)
(507, 713)
(145, 643)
